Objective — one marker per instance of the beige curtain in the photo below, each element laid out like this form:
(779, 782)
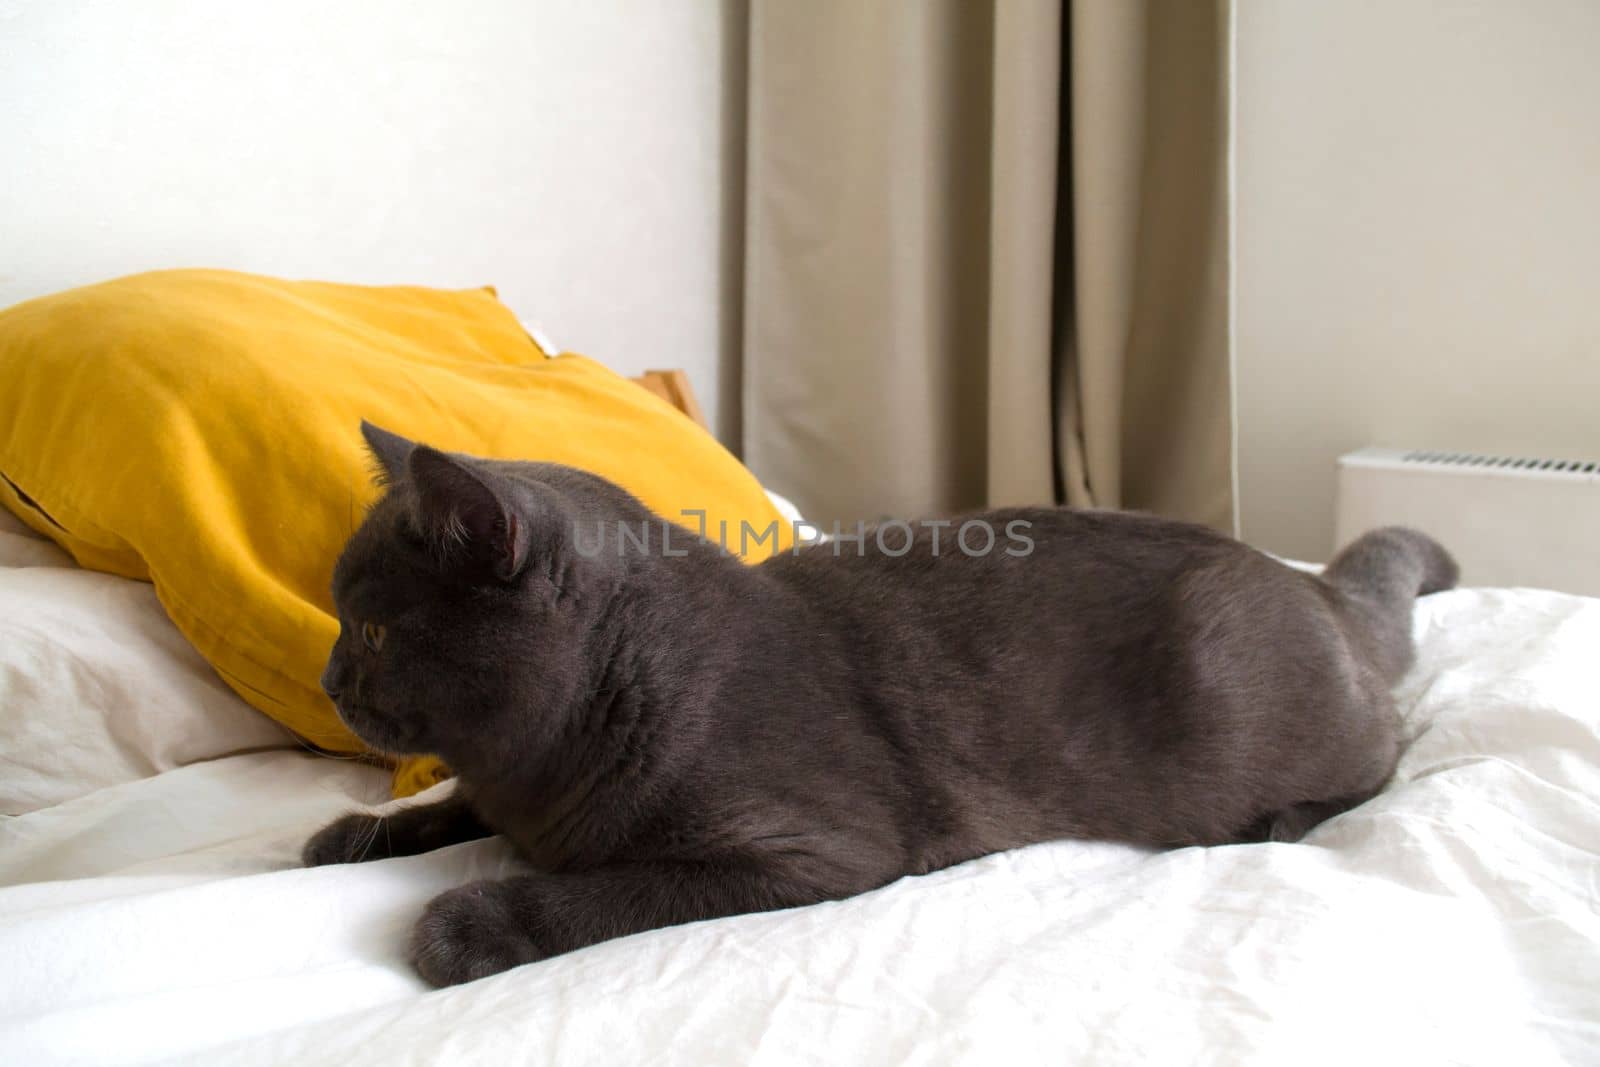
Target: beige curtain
(987, 255)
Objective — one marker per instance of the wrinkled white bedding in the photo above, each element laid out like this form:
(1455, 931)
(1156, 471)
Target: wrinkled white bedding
(151, 907)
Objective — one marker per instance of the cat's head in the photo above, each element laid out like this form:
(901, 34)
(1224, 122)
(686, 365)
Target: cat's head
(463, 607)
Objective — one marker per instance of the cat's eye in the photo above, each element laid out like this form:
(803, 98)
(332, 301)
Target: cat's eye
(372, 635)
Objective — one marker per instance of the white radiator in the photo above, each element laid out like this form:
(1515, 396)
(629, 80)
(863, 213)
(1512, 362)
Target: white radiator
(1509, 522)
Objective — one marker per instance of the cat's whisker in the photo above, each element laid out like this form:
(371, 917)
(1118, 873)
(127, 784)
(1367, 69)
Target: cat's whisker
(324, 753)
(372, 836)
(362, 842)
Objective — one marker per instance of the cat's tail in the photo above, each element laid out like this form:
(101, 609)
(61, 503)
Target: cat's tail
(1380, 574)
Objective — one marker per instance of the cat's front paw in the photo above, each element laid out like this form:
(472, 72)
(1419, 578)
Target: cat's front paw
(349, 839)
(473, 932)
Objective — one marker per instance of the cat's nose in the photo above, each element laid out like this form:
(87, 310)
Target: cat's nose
(332, 682)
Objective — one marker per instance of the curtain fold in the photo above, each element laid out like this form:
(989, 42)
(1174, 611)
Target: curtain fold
(987, 256)
(1023, 163)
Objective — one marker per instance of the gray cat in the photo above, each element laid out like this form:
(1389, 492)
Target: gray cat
(667, 736)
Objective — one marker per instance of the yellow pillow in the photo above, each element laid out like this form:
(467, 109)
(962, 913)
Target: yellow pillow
(201, 429)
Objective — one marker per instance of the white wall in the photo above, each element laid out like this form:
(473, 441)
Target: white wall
(1418, 240)
(581, 157)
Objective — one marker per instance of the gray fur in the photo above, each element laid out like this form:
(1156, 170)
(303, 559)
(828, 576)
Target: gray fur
(671, 738)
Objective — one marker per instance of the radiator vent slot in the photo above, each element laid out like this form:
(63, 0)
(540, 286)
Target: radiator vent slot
(1469, 459)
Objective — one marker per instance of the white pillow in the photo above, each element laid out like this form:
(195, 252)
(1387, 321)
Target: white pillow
(97, 687)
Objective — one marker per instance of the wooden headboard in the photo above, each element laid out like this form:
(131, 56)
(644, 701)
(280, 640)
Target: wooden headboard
(673, 387)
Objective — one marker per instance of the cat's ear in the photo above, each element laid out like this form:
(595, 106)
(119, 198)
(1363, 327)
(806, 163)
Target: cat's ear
(389, 450)
(459, 507)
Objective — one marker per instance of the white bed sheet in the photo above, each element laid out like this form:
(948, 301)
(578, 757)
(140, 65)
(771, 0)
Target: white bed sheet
(1454, 919)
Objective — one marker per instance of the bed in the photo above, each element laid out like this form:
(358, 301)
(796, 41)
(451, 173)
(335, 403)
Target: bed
(152, 907)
